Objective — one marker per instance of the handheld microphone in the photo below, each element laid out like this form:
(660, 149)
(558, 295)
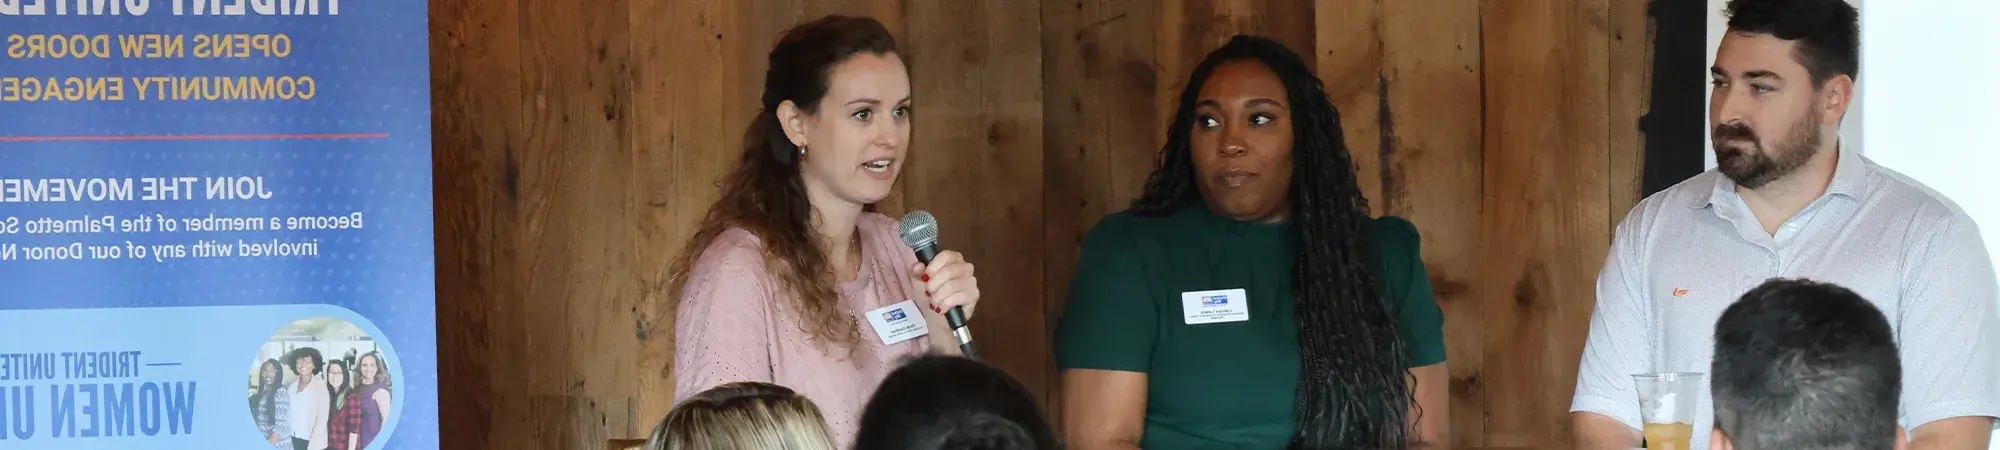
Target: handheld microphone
(920, 232)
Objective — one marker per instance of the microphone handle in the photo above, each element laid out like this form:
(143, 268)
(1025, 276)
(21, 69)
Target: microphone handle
(955, 317)
(926, 253)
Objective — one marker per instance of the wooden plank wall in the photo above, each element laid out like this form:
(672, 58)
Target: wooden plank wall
(578, 142)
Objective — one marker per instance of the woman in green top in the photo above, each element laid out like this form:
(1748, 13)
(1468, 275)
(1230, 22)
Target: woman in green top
(1248, 300)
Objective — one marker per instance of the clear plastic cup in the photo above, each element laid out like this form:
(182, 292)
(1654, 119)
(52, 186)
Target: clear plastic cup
(1667, 407)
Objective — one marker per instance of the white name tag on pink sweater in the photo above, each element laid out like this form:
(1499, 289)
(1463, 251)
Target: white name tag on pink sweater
(899, 322)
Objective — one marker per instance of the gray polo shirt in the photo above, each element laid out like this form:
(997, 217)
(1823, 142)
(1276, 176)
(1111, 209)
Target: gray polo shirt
(1683, 255)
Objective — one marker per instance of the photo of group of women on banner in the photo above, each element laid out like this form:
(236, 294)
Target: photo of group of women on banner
(320, 384)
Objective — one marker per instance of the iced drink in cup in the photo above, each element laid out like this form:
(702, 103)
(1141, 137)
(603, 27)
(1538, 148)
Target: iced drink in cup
(1666, 405)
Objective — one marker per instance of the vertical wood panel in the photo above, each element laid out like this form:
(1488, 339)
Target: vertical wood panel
(1350, 65)
(575, 227)
(474, 53)
(1099, 81)
(1431, 174)
(1169, 64)
(1199, 26)
(684, 137)
(1631, 74)
(1546, 201)
(976, 164)
(1288, 21)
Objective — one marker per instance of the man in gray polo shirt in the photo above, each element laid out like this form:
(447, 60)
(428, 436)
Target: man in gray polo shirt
(1787, 201)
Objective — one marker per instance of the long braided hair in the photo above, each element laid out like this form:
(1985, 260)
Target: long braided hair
(1352, 364)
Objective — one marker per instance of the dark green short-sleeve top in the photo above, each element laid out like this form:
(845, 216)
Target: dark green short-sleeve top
(1226, 384)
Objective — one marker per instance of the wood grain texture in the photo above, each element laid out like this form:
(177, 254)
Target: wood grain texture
(1099, 144)
(1631, 76)
(575, 228)
(1430, 133)
(1100, 141)
(1349, 42)
(976, 161)
(475, 53)
(1546, 201)
(686, 122)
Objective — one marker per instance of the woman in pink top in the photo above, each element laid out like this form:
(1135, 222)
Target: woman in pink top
(792, 278)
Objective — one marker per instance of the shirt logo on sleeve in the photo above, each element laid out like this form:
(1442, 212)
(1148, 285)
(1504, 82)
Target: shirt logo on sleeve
(1680, 292)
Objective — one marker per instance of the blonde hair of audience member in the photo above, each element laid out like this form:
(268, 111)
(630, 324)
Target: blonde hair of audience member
(743, 415)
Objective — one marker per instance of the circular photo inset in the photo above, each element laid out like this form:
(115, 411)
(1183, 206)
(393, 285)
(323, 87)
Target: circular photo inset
(320, 383)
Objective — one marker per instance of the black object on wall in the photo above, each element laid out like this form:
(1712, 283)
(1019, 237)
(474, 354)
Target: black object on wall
(1678, 117)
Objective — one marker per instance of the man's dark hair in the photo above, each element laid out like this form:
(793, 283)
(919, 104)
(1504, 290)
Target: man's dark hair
(319, 363)
(1828, 32)
(1803, 364)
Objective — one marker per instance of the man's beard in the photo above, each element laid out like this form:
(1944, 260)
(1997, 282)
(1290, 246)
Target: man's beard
(1753, 168)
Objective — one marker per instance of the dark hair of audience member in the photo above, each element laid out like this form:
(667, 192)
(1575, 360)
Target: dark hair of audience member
(950, 402)
(1803, 364)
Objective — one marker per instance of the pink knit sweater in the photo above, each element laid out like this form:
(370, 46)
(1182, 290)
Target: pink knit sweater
(737, 323)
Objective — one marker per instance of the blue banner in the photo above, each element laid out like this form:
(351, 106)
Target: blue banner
(215, 225)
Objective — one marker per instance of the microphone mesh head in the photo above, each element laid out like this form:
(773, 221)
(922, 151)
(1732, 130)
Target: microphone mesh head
(919, 229)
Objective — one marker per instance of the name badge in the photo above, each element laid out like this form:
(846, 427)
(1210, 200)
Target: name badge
(1227, 305)
(897, 323)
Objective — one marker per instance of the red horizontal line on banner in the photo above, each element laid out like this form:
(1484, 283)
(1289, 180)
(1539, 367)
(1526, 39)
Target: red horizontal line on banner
(194, 137)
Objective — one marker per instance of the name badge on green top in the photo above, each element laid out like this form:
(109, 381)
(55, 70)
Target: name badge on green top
(1226, 305)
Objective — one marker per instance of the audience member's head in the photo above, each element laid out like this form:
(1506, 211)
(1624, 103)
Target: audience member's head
(1805, 365)
(949, 402)
(743, 416)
